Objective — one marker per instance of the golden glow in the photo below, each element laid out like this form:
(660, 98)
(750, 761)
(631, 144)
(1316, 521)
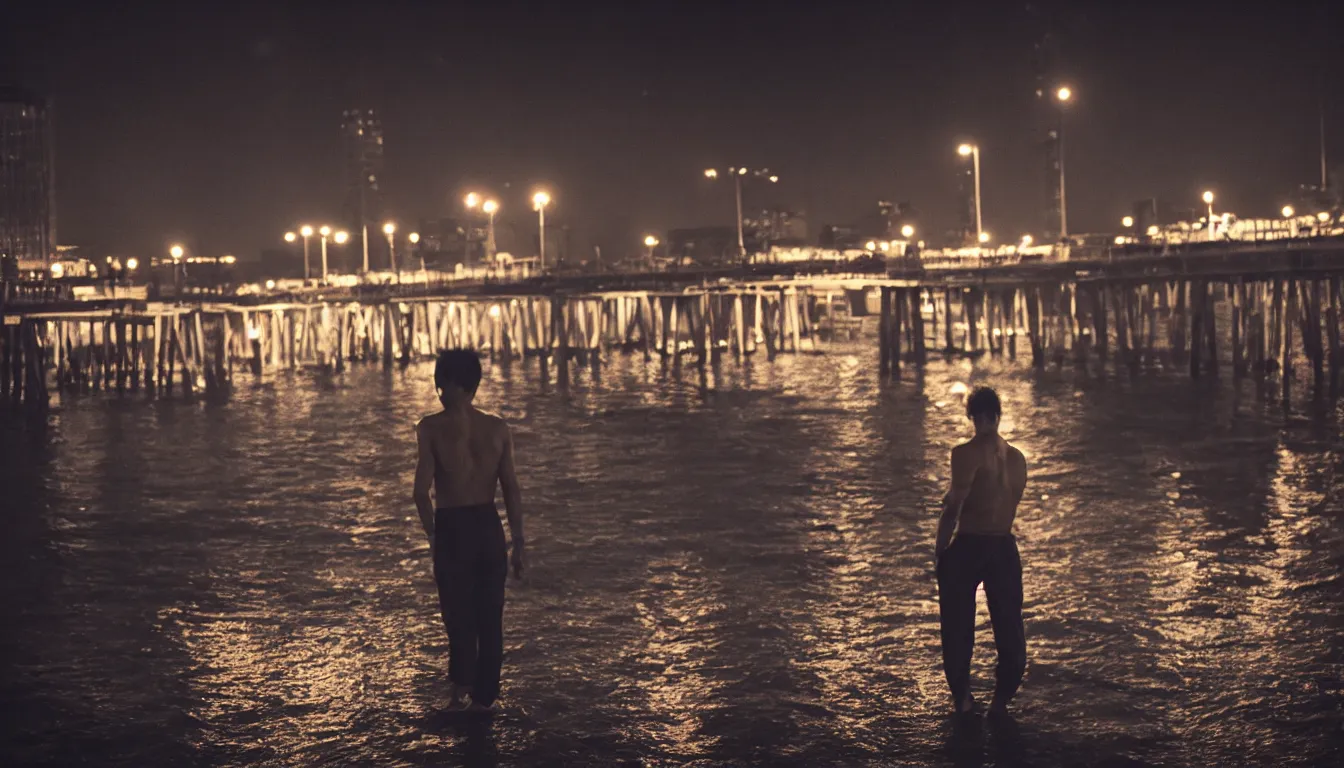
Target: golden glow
(1026, 240)
(540, 200)
(741, 171)
(306, 231)
(1128, 221)
(984, 237)
(1323, 217)
(884, 245)
(1208, 197)
(870, 245)
(324, 231)
(494, 311)
(341, 237)
(414, 237)
(650, 240)
(389, 228)
(290, 237)
(1288, 212)
(710, 173)
(57, 270)
(1064, 93)
(472, 200)
(490, 206)
(132, 264)
(228, 259)
(1153, 230)
(774, 179)
(965, 149)
(176, 251)
(1119, 239)
(907, 231)
(270, 285)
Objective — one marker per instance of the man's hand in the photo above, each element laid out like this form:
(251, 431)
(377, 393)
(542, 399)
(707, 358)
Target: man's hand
(516, 558)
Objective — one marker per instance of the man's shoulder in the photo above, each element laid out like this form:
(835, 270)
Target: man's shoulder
(492, 421)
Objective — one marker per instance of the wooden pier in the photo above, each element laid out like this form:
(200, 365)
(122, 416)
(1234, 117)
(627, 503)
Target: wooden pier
(1257, 311)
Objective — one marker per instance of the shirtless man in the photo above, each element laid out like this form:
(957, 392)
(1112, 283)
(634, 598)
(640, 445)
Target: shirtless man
(988, 478)
(463, 454)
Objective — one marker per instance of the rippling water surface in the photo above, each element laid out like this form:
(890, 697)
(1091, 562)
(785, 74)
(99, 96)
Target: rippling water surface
(737, 576)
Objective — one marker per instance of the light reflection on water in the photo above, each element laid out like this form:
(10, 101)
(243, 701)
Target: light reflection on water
(734, 576)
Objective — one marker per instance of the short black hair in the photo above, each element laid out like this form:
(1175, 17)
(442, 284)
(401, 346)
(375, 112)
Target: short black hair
(458, 366)
(984, 401)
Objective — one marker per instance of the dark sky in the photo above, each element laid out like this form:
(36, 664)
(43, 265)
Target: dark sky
(218, 124)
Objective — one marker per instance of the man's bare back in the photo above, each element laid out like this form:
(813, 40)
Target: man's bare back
(467, 451)
(993, 476)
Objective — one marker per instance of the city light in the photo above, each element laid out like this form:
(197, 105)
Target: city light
(871, 245)
(1322, 217)
(984, 237)
(1127, 222)
(270, 285)
(965, 150)
(290, 237)
(228, 259)
(650, 241)
(774, 179)
(1208, 197)
(176, 251)
(306, 231)
(1119, 239)
(1026, 241)
(414, 237)
(1064, 93)
(1288, 212)
(907, 231)
(389, 228)
(1153, 230)
(471, 200)
(490, 206)
(325, 231)
(741, 171)
(341, 237)
(540, 200)
(57, 270)
(494, 311)
(710, 173)
(132, 264)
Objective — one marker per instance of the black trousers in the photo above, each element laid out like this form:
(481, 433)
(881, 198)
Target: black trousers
(969, 561)
(471, 565)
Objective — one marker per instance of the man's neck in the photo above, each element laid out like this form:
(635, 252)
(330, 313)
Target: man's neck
(457, 410)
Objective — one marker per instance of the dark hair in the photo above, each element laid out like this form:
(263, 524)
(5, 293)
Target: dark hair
(458, 366)
(984, 401)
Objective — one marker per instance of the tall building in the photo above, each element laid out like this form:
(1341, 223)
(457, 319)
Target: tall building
(27, 179)
(1051, 124)
(362, 140)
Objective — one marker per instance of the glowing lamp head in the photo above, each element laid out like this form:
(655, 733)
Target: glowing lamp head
(1026, 241)
(57, 270)
(1322, 217)
(389, 228)
(132, 264)
(1288, 212)
(324, 231)
(540, 200)
(341, 237)
(306, 231)
(1065, 93)
(1153, 230)
(870, 245)
(490, 206)
(1119, 239)
(774, 179)
(1208, 197)
(741, 171)
(907, 231)
(650, 240)
(472, 200)
(228, 259)
(984, 237)
(1127, 222)
(710, 173)
(965, 150)
(290, 237)
(176, 251)
(270, 285)
(414, 237)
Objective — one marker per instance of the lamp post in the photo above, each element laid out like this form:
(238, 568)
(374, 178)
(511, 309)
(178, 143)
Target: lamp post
(340, 238)
(414, 239)
(305, 232)
(390, 230)
(1063, 95)
(539, 201)
(490, 207)
(738, 174)
(472, 201)
(650, 242)
(179, 276)
(973, 151)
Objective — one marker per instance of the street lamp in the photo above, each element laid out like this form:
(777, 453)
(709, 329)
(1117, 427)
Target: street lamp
(539, 202)
(650, 242)
(1288, 212)
(1026, 241)
(907, 231)
(973, 151)
(390, 229)
(339, 237)
(983, 237)
(490, 207)
(738, 173)
(176, 252)
(414, 239)
(1063, 95)
(305, 232)
(1127, 222)
(132, 263)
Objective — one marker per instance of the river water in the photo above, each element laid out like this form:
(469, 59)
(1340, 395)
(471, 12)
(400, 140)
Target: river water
(726, 577)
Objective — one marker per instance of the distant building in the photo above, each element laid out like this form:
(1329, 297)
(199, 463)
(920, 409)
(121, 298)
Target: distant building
(362, 145)
(702, 245)
(774, 226)
(27, 180)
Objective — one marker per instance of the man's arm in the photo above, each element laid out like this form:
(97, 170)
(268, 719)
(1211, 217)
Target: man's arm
(513, 500)
(424, 479)
(963, 472)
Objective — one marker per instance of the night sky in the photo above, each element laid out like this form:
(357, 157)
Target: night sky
(218, 125)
